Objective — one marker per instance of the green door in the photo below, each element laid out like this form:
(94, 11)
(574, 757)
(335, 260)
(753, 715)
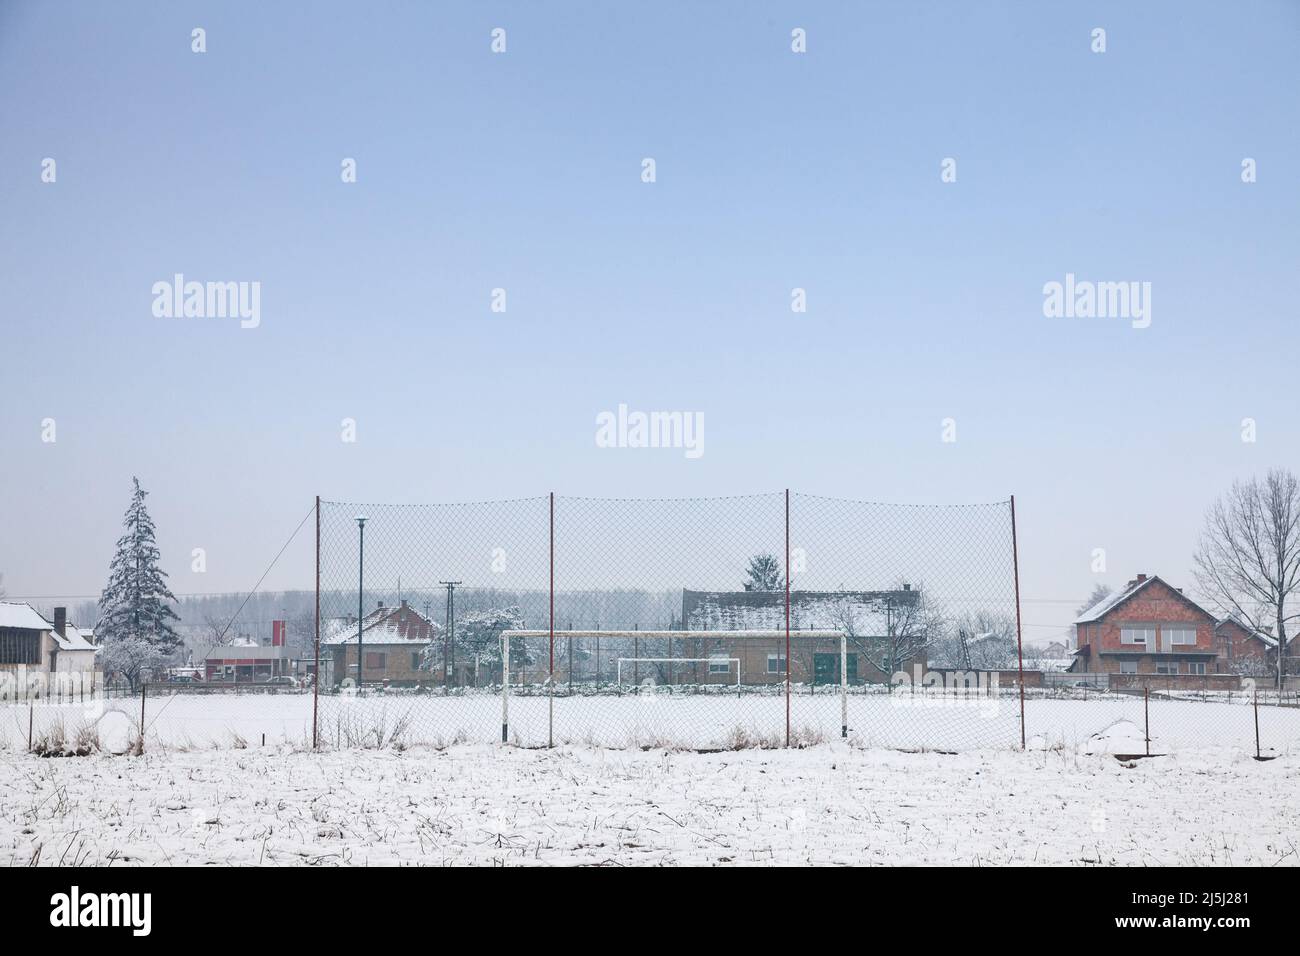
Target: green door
(826, 668)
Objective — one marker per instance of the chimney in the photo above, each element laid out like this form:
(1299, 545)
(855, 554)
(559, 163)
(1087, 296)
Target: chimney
(380, 605)
(60, 620)
(1141, 578)
(403, 604)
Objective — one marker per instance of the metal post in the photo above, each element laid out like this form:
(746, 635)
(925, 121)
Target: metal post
(787, 617)
(1020, 652)
(505, 689)
(143, 686)
(449, 637)
(1146, 715)
(30, 715)
(361, 614)
(550, 680)
(844, 685)
(315, 682)
(1258, 755)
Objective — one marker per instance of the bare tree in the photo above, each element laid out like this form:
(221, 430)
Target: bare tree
(1248, 562)
(978, 640)
(911, 626)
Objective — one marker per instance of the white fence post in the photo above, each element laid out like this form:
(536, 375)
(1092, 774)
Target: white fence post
(505, 688)
(844, 685)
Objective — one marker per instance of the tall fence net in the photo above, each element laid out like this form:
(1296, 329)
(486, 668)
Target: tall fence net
(763, 620)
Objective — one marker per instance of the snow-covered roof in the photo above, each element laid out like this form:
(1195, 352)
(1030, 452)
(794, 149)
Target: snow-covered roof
(1268, 639)
(1098, 610)
(384, 625)
(864, 612)
(74, 638)
(22, 616)
(1111, 601)
(25, 617)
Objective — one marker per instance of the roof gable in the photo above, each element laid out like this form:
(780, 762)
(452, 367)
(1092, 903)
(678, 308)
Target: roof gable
(1112, 602)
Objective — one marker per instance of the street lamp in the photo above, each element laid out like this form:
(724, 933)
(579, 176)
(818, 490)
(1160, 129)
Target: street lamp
(361, 577)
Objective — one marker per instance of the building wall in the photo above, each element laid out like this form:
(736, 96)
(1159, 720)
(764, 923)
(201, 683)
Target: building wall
(1242, 652)
(1158, 606)
(395, 663)
(1162, 682)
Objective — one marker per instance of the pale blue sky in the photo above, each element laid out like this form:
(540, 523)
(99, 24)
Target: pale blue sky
(522, 171)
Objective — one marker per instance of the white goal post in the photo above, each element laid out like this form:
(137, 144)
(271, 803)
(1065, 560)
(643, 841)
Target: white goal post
(764, 635)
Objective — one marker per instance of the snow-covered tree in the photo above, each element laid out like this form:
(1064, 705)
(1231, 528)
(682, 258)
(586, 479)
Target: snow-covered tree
(478, 638)
(132, 658)
(136, 602)
(763, 574)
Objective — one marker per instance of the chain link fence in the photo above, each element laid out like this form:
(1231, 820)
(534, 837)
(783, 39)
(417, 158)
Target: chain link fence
(762, 620)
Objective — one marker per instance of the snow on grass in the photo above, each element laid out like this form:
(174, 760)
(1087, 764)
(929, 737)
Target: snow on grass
(705, 721)
(493, 805)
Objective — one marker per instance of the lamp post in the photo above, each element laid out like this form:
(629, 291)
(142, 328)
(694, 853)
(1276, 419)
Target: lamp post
(361, 577)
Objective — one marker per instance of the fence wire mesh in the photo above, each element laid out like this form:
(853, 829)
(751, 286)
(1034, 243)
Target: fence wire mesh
(760, 620)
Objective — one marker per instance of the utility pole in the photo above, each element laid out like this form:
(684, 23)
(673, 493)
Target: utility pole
(449, 642)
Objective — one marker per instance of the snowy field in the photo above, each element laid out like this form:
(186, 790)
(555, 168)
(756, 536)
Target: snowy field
(1114, 724)
(493, 805)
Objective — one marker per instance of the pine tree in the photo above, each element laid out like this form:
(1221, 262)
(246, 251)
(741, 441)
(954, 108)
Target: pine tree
(135, 602)
(764, 574)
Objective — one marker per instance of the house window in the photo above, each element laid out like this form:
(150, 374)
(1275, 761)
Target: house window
(374, 660)
(1196, 667)
(1181, 635)
(719, 664)
(776, 663)
(1166, 667)
(1128, 667)
(1137, 635)
(415, 660)
(20, 647)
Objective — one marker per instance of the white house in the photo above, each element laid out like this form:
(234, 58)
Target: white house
(33, 650)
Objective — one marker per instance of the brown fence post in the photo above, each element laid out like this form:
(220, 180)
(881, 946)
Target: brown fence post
(315, 681)
(30, 713)
(1020, 653)
(787, 617)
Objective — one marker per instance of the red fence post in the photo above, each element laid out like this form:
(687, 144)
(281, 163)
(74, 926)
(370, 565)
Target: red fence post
(787, 617)
(315, 680)
(550, 679)
(1020, 652)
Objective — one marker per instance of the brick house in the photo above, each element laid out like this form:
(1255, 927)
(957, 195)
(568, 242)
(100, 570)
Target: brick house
(393, 640)
(1243, 650)
(1147, 627)
(868, 616)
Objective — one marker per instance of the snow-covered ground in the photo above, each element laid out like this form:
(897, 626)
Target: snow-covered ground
(486, 804)
(703, 721)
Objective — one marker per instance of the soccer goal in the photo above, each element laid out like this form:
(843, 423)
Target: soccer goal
(763, 659)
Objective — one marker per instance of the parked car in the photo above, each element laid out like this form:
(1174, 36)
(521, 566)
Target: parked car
(282, 681)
